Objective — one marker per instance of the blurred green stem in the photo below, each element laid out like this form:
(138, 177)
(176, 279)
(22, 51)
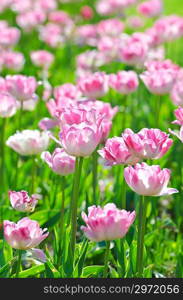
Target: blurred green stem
(20, 116)
(141, 232)
(95, 176)
(107, 251)
(157, 110)
(124, 113)
(74, 201)
(3, 128)
(18, 263)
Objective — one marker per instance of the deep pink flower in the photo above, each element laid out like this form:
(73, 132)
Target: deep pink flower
(106, 224)
(26, 234)
(151, 8)
(148, 180)
(179, 116)
(86, 12)
(147, 143)
(116, 152)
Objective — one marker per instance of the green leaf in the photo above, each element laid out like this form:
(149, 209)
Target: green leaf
(80, 263)
(92, 270)
(32, 272)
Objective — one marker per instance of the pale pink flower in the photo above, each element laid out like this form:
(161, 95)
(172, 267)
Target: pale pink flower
(107, 223)
(9, 36)
(116, 152)
(28, 142)
(147, 143)
(59, 161)
(25, 234)
(94, 86)
(124, 82)
(151, 8)
(67, 90)
(31, 19)
(111, 27)
(13, 60)
(8, 106)
(179, 116)
(21, 201)
(135, 22)
(59, 17)
(159, 82)
(148, 180)
(51, 34)
(21, 87)
(87, 34)
(42, 58)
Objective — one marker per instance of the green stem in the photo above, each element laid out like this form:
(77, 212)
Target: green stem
(33, 175)
(74, 201)
(124, 113)
(106, 259)
(18, 263)
(157, 110)
(95, 176)
(141, 232)
(62, 207)
(123, 192)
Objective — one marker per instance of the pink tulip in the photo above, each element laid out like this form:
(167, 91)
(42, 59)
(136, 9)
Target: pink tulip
(81, 139)
(8, 106)
(94, 86)
(148, 180)
(151, 8)
(9, 36)
(111, 27)
(30, 19)
(59, 161)
(67, 90)
(42, 58)
(158, 82)
(24, 235)
(116, 152)
(13, 60)
(177, 93)
(22, 202)
(21, 87)
(147, 143)
(59, 17)
(179, 115)
(47, 123)
(135, 22)
(28, 142)
(51, 34)
(124, 82)
(106, 224)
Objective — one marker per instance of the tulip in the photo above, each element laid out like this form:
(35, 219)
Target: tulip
(148, 180)
(24, 235)
(151, 8)
(124, 82)
(80, 140)
(8, 105)
(28, 142)
(21, 201)
(94, 86)
(42, 58)
(179, 115)
(106, 224)
(147, 143)
(59, 161)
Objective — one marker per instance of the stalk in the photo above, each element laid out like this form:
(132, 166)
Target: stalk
(141, 232)
(95, 176)
(18, 263)
(106, 259)
(33, 175)
(3, 128)
(123, 192)
(74, 201)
